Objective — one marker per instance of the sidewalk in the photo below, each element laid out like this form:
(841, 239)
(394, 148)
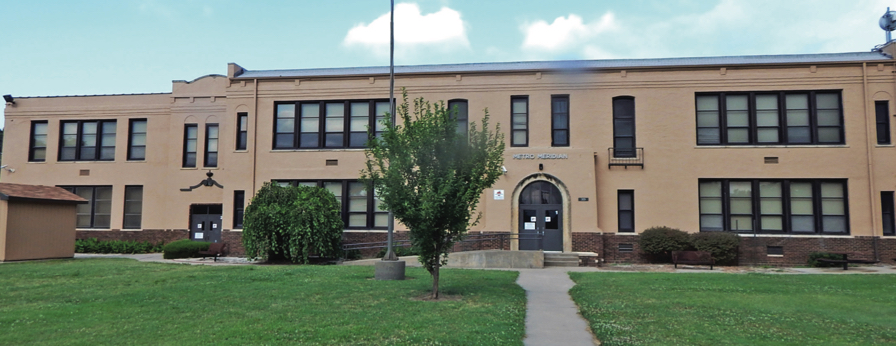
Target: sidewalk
(552, 318)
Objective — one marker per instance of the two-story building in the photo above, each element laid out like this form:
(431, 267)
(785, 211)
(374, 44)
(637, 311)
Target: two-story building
(793, 152)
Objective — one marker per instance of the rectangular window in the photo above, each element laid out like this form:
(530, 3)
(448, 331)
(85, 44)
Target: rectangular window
(97, 212)
(624, 126)
(626, 202)
(359, 207)
(37, 149)
(239, 205)
(560, 121)
(519, 114)
(887, 211)
(462, 115)
(882, 113)
(769, 118)
(191, 138)
(327, 124)
(87, 140)
(211, 145)
(133, 207)
(774, 206)
(242, 131)
(137, 139)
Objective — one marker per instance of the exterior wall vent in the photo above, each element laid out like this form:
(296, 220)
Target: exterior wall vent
(332, 162)
(771, 159)
(626, 247)
(775, 251)
(84, 172)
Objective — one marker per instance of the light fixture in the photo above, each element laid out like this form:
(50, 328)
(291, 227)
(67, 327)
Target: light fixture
(9, 99)
(6, 167)
(540, 167)
(503, 169)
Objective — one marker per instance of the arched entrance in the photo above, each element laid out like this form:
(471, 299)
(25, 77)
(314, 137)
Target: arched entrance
(541, 217)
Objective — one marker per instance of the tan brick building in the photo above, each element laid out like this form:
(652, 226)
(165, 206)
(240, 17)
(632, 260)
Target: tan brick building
(793, 152)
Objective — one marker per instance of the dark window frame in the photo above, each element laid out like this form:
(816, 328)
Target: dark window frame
(125, 213)
(882, 115)
(787, 215)
(463, 114)
(621, 213)
(239, 207)
(92, 203)
(512, 129)
(185, 152)
(210, 158)
(783, 126)
(131, 133)
(888, 222)
(618, 117)
(242, 131)
(321, 132)
(31, 142)
(79, 137)
(345, 200)
(562, 130)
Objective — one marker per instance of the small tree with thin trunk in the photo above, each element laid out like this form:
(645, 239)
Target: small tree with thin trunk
(431, 176)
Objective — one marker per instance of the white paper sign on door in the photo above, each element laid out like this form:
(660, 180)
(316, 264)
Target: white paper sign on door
(214, 225)
(529, 225)
(533, 219)
(547, 219)
(197, 235)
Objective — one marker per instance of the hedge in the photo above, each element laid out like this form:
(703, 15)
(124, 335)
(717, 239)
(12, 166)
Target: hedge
(92, 245)
(184, 248)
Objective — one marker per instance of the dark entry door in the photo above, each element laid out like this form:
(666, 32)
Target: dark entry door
(541, 217)
(540, 227)
(205, 222)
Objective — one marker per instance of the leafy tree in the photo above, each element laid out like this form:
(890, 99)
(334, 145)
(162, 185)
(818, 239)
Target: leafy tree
(293, 222)
(431, 177)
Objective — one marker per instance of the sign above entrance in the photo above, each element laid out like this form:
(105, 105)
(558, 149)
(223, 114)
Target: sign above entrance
(540, 156)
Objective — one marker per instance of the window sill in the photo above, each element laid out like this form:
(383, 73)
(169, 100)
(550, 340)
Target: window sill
(96, 161)
(770, 146)
(131, 229)
(365, 230)
(241, 151)
(775, 255)
(885, 146)
(750, 235)
(316, 150)
(135, 161)
(210, 168)
(94, 229)
(626, 233)
(36, 162)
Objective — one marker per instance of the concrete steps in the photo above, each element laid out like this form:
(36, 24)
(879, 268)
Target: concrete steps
(559, 259)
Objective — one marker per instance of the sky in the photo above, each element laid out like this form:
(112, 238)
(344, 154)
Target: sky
(52, 48)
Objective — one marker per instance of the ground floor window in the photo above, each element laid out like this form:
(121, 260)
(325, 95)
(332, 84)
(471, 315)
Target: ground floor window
(133, 207)
(97, 213)
(360, 209)
(886, 205)
(774, 205)
(239, 199)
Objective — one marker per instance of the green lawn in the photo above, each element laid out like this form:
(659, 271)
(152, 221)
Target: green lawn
(120, 301)
(737, 309)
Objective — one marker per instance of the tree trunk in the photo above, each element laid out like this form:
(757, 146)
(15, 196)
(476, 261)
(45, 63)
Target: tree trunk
(435, 280)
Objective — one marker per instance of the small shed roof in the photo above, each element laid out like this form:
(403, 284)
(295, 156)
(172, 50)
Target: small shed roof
(10, 191)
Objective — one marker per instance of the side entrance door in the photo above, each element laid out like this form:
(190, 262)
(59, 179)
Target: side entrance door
(540, 227)
(205, 222)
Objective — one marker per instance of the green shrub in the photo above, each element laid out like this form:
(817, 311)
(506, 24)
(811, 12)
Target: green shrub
(722, 245)
(184, 248)
(92, 245)
(399, 251)
(293, 222)
(657, 243)
(813, 257)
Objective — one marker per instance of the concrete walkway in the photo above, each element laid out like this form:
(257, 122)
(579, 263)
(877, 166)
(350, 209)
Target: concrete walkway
(552, 318)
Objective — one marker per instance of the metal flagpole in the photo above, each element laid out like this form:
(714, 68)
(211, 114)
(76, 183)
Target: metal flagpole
(390, 254)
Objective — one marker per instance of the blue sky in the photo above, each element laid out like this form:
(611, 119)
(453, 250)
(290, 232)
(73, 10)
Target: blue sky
(140, 46)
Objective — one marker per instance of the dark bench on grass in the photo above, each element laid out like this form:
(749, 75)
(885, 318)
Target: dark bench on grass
(214, 249)
(846, 261)
(693, 257)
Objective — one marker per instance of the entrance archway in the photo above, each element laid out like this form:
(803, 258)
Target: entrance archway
(541, 214)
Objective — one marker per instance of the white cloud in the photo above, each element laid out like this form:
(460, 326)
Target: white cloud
(415, 33)
(565, 32)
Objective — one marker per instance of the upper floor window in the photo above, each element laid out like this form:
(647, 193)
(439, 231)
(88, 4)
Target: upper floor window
(462, 115)
(624, 126)
(774, 206)
(87, 140)
(242, 131)
(519, 114)
(137, 139)
(191, 137)
(37, 149)
(882, 113)
(560, 121)
(211, 145)
(327, 124)
(769, 118)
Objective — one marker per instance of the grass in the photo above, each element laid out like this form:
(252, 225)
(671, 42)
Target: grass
(120, 301)
(737, 309)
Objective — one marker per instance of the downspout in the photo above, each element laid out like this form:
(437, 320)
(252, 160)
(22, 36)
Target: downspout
(255, 137)
(869, 157)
